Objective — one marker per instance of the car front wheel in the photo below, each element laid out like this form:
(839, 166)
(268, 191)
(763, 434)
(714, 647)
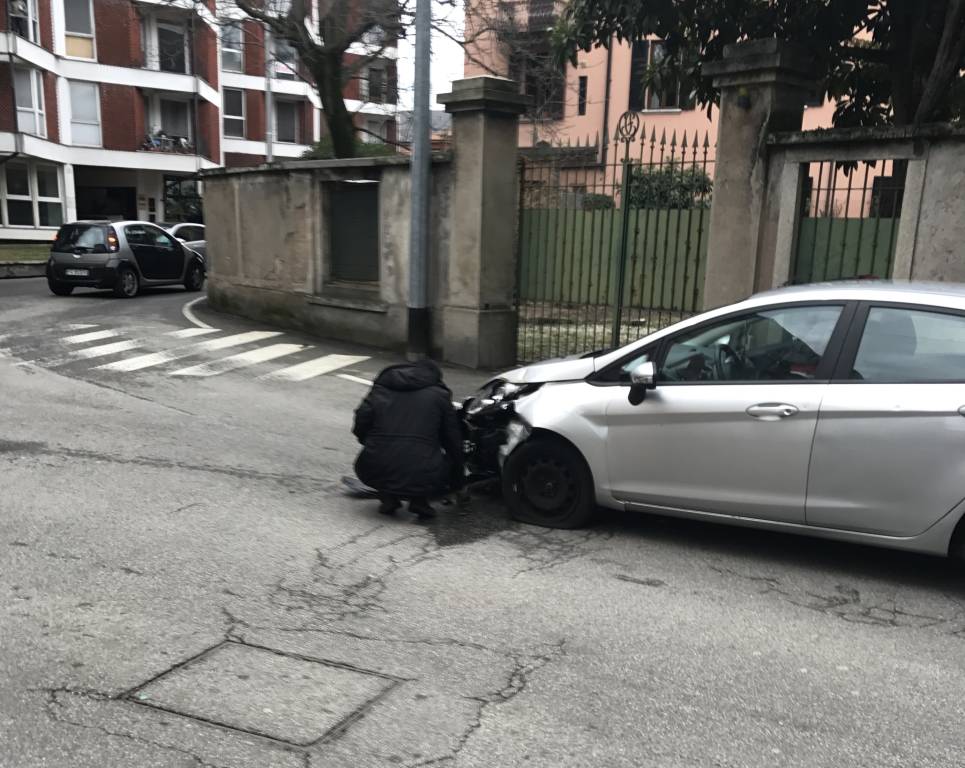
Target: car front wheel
(546, 482)
(194, 279)
(127, 284)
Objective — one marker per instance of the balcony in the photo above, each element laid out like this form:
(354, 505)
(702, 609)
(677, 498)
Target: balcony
(542, 14)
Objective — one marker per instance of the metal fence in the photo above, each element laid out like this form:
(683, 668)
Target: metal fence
(848, 224)
(612, 238)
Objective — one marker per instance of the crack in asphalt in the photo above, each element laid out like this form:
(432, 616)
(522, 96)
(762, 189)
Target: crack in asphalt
(547, 548)
(54, 707)
(515, 683)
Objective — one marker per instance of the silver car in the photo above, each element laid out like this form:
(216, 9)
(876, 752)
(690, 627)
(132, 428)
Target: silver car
(831, 410)
(123, 256)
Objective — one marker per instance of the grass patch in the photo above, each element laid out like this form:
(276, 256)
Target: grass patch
(26, 252)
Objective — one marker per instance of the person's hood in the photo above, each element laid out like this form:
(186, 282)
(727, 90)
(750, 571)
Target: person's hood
(409, 377)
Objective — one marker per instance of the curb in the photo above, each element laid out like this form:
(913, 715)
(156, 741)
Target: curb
(22, 269)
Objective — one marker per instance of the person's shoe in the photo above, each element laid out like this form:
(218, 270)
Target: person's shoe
(422, 510)
(389, 507)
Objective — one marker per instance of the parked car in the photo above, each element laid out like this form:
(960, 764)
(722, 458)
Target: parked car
(123, 256)
(192, 235)
(833, 410)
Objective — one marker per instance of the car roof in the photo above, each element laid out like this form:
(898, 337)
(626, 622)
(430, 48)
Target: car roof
(940, 294)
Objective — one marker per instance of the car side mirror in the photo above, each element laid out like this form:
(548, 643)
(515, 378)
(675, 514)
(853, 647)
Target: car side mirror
(642, 378)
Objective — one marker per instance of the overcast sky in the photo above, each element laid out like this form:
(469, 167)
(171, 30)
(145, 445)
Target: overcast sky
(446, 56)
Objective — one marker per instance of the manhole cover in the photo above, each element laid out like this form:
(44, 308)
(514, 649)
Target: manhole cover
(285, 697)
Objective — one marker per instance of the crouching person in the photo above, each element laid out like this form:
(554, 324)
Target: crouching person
(411, 438)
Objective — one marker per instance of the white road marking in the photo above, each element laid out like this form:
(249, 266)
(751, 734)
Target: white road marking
(79, 326)
(241, 360)
(94, 336)
(312, 368)
(356, 379)
(159, 358)
(189, 315)
(187, 333)
(108, 349)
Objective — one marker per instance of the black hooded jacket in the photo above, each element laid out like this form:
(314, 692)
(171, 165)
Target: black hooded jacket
(411, 437)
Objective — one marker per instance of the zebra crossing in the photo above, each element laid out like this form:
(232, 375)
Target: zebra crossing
(185, 353)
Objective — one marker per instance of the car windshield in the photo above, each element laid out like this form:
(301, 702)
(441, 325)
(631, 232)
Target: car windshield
(72, 237)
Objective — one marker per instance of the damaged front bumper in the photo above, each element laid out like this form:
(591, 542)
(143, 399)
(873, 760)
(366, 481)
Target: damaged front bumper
(492, 430)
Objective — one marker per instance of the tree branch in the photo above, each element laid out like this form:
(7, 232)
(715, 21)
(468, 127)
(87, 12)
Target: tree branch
(948, 59)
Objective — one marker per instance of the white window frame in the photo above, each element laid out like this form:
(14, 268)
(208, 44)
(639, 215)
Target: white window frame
(225, 116)
(160, 112)
(32, 197)
(32, 18)
(282, 70)
(36, 109)
(274, 110)
(73, 119)
(172, 27)
(240, 50)
(92, 35)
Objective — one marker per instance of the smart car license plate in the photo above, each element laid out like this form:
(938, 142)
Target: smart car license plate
(77, 272)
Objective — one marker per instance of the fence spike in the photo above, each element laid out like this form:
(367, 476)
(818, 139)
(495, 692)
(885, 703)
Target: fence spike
(578, 145)
(706, 139)
(597, 139)
(653, 136)
(673, 139)
(683, 144)
(663, 138)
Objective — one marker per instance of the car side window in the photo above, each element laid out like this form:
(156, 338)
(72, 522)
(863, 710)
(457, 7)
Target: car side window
(136, 235)
(194, 233)
(783, 344)
(162, 239)
(909, 345)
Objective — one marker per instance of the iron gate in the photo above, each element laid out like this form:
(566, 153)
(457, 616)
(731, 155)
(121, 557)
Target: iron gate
(612, 238)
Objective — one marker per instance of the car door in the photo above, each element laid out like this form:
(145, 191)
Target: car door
(889, 449)
(141, 243)
(170, 254)
(729, 426)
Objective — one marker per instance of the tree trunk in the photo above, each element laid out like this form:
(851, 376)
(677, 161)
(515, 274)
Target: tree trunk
(947, 58)
(328, 79)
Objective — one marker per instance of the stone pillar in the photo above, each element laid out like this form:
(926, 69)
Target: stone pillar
(479, 320)
(764, 85)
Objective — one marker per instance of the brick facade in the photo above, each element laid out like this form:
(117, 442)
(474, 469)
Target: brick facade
(121, 100)
(46, 25)
(7, 119)
(255, 115)
(254, 48)
(240, 160)
(50, 105)
(209, 130)
(206, 54)
(118, 33)
(307, 119)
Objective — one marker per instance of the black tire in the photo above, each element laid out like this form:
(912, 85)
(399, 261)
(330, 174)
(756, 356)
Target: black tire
(546, 482)
(59, 289)
(128, 284)
(194, 279)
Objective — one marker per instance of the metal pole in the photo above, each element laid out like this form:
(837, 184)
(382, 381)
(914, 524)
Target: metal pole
(418, 327)
(269, 106)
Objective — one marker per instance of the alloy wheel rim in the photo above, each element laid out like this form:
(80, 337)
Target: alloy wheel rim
(129, 283)
(548, 487)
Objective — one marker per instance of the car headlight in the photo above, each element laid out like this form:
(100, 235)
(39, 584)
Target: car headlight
(498, 392)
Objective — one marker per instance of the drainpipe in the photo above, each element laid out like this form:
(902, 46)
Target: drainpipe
(606, 100)
(269, 105)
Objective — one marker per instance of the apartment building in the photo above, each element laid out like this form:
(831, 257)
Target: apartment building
(584, 102)
(110, 108)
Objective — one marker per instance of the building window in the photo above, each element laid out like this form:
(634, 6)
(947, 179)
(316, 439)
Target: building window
(172, 48)
(232, 47)
(176, 118)
(79, 28)
(672, 93)
(24, 19)
(29, 94)
(30, 195)
(372, 84)
(286, 67)
(534, 67)
(85, 120)
(234, 112)
(581, 96)
(286, 121)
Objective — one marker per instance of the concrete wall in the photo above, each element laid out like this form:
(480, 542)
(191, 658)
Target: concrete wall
(269, 247)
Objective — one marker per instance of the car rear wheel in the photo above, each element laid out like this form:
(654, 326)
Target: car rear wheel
(546, 482)
(194, 280)
(128, 284)
(60, 289)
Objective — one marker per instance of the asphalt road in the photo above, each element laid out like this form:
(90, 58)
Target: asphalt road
(184, 583)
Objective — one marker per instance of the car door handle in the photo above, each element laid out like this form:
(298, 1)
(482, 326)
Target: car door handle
(771, 411)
